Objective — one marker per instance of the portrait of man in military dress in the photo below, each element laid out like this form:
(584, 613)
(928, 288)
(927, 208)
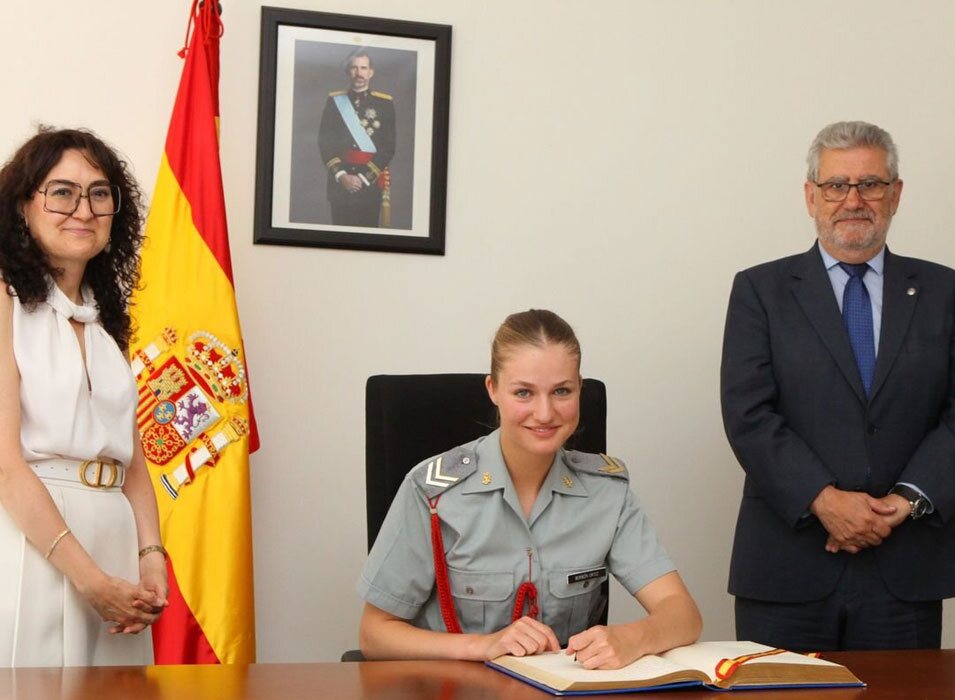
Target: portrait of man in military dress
(356, 139)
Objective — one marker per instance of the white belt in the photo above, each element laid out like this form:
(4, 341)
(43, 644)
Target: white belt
(96, 474)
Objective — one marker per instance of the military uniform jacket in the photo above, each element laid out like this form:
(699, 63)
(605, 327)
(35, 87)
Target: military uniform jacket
(584, 524)
(376, 112)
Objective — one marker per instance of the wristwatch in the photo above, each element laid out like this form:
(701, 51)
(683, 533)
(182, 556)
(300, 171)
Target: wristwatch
(918, 503)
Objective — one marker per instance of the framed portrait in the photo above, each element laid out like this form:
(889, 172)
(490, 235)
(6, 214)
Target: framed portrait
(353, 132)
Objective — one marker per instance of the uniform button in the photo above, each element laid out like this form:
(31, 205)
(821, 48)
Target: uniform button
(586, 584)
(466, 460)
(871, 429)
(469, 590)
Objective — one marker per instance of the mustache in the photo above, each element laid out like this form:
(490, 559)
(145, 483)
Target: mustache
(860, 213)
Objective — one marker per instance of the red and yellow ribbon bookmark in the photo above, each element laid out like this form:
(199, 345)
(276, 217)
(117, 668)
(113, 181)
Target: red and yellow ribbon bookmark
(727, 667)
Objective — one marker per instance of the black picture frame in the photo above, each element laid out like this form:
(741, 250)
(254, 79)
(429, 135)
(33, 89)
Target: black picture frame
(302, 68)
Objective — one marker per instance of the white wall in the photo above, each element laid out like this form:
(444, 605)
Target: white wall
(615, 160)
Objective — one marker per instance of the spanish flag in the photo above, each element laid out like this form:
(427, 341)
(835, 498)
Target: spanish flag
(195, 415)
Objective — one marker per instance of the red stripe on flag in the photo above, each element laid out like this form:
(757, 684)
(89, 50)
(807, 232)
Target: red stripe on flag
(177, 636)
(192, 144)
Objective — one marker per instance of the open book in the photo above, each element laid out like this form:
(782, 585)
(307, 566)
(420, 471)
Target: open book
(714, 665)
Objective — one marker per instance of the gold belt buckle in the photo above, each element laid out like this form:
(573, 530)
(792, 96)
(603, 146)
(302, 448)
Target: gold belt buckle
(98, 481)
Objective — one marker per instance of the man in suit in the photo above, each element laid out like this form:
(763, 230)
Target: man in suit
(837, 394)
(357, 142)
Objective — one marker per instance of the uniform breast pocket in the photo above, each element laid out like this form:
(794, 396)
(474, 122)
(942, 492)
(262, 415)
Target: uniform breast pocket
(482, 599)
(578, 603)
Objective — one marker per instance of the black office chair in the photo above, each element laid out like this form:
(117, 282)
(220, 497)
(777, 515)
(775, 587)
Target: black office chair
(411, 417)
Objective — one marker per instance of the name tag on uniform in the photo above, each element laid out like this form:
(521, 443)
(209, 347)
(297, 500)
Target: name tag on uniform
(587, 575)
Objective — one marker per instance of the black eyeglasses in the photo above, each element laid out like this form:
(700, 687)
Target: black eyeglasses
(869, 190)
(63, 197)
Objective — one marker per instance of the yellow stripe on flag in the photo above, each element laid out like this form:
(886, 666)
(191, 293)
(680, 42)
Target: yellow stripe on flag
(206, 528)
(180, 272)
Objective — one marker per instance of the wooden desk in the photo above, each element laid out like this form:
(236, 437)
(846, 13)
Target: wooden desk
(904, 675)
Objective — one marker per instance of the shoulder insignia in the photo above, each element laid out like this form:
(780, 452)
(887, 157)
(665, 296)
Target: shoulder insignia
(382, 95)
(597, 464)
(336, 93)
(440, 473)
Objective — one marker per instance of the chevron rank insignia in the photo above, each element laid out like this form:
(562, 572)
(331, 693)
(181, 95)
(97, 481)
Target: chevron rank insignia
(600, 464)
(612, 466)
(440, 473)
(435, 477)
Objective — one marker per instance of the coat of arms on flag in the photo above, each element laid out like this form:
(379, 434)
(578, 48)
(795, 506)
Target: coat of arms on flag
(185, 403)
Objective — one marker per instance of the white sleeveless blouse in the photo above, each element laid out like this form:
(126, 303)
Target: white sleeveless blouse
(68, 409)
(74, 411)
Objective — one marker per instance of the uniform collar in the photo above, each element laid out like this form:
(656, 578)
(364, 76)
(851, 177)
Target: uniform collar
(563, 479)
(492, 474)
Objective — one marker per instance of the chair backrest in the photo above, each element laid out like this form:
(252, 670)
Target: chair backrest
(410, 417)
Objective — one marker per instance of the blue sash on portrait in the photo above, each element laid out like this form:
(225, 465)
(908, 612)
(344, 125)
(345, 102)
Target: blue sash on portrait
(353, 123)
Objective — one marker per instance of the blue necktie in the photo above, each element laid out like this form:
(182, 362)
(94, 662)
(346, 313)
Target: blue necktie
(857, 315)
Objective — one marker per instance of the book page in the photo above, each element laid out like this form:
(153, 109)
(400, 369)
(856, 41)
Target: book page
(704, 656)
(561, 665)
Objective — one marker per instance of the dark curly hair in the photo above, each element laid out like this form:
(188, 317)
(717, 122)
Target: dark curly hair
(113, 274)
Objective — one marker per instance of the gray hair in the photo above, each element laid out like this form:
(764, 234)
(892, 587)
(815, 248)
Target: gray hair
(852, 135)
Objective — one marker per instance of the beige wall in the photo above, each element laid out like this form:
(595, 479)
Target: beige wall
(614, 160)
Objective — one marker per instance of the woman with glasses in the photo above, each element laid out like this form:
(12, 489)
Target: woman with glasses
(504, 542)
(82, 571)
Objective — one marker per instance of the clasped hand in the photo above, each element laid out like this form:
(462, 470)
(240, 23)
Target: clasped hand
(130, 608)
(352, 183)
(856, 520)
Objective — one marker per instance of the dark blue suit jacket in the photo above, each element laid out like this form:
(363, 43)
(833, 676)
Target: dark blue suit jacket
(798, 419)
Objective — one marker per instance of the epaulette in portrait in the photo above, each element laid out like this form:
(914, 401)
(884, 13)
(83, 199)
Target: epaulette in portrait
(382, 95)
(443, 472)
(336, 93)
(597, 464)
